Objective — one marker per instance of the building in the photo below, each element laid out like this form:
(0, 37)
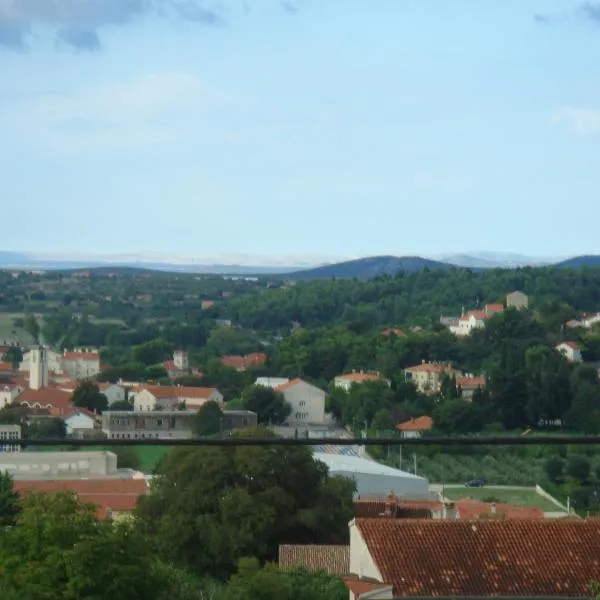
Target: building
(588, 320)
(113, 392)
(469, 384)
(428, 376)
(8, 433)
(570, 350)
(79, 422)
(333, 560)
(9, 392)
(168, 397)
(393, 331)
(53, 360)
(238, 419)
(517, 300)
(179, 365)
(307, 402)
(114, 499)
(38, 371)
(242, 363)
(493, 309)
(167, 424)
(373, 478)
(486, 558)
(271, 382)
(414, 428)
(57, 402)
(469, 321)
(81, 363)
(60, 465)
(345, 382)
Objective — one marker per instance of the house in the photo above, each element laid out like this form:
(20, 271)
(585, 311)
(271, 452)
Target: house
(178, 366)
(307, 402)
(474, 319)
(8, 433)
(517, 300)
(241, 363)
(113, 392)
(9, 392)
(81, 363)
(469, 384)
(588, 320)
(271, 382)
(573, 324)
(428, 376)
(79, 421)
(167, 397)
(207, 304)
(334, 560)
(346, 381)
(114, 499)
(570, 350)
(414, 428)
(493, 309)
(486, 558)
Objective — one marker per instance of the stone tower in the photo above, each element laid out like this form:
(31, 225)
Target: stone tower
(38, 368)
(180, 358)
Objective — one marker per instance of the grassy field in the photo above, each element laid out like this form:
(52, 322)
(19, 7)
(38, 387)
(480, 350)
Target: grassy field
(7, 327)
(516, 497)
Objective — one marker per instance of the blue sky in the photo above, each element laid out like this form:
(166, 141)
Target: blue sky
(313, 127)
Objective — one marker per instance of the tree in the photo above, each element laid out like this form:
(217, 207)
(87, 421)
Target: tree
(208, 419)
(59, 551)
(127, 457)
(269, 583)
(9, 501)
(121, 405)
(554, 468)
(46, 429)
(578, 468)
(211, 506)
(32, 327)
(268, 404)
(14, 355)
(458, 417)
(88, 395)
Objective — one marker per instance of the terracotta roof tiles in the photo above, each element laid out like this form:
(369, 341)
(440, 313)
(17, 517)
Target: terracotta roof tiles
(485, 558)
(423, 423)
(335, 560)
(360, 377)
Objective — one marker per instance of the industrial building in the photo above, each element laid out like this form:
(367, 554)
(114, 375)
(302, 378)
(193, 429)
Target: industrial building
(375, 479)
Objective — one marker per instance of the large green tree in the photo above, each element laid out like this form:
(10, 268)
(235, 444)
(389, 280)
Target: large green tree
(208, 419)
(211, 506)
(268, 404)
(9, 501)
(88, 395)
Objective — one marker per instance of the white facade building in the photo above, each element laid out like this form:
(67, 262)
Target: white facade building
(79, 422)
(8, 433)
(180, 358)
(8, 393)
(81, 363)
(38, 368)
(113, 392)
(59, 465)
(345, 382)
(474, 319)
(307, 402)
(571, 351)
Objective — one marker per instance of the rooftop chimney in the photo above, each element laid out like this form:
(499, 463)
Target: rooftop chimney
(391, 506)
(449, 511)
(493, 508)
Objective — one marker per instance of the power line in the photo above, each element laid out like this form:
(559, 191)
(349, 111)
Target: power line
(554, 440)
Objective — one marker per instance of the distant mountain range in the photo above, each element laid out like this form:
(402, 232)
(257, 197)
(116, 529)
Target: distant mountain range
(311, 267)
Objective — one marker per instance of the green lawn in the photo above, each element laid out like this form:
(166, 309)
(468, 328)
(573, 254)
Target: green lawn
(516, 497)
(7, 327)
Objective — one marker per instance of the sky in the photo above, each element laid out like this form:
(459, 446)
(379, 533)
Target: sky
(299, 127)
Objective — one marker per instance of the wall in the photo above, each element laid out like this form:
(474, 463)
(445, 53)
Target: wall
(114, 393)
(79, 421)
(56, 465)
(361, 562)
(307, 403)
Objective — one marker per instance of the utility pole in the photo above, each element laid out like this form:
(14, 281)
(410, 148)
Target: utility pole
(415, 462)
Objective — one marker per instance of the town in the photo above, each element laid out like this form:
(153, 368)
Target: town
(240, 357)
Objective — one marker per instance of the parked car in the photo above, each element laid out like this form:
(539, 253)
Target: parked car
(475, 483)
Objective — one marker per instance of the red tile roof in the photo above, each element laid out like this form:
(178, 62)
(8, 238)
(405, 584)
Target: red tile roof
(81, 356)
(290, 384)
(494, 308)
(6, 367)
(477, 314)
(172, 391)
(358, 587)
(467, 383)
(58, 401)
(119, 495)
(359, 377)
(335, 560)
(374, 508)
(393, 331)
(430, 368)
(485, 558)
(572, 345)
(470, 509)
(423, 423)
(244, 362)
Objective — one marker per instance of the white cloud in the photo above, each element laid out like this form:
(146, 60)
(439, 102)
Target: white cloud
(583, 121)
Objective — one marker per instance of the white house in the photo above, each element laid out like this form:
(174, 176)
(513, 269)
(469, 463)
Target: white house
(81, 363)
(427, 377)
(346, 381)
(8, 393)
(570, 350)
(169, 397)
(113, 392)
(474, 319)
(588, 320)
(53, 361)
(517, 300)
(79, 420)
(306, 401)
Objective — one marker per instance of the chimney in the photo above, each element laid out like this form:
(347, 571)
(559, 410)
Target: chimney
(391, 506)
(449, 511)
(493, 508)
